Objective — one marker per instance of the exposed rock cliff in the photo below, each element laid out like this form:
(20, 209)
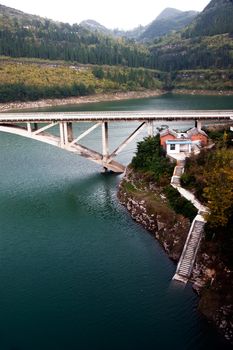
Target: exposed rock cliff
(213, 281)
(148, 206)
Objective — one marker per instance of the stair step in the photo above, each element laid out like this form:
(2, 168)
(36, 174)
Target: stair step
(185, 274)
(187, 263)
(194, 236)
(185, 266)
(188, 253)
(184, 270)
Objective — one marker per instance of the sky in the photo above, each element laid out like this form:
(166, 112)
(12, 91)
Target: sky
(122, 14)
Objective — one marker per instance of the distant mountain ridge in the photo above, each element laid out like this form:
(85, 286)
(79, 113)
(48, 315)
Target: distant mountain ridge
(168, 20)
(95, 26)
(26, 35)
(11, 13)
(167, 13)
(160, 45)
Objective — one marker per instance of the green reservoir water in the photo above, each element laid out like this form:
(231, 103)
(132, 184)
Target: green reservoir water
(76, 273)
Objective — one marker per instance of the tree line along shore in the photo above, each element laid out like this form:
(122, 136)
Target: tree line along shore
(27, 81)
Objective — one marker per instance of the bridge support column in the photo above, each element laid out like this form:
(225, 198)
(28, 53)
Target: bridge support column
(70, 131)
(29, 128)
(62, 140)
(198, 124)
(150, 129)
(105, 148)
(65, 133)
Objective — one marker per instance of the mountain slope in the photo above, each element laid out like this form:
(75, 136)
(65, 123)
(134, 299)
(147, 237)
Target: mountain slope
(168, 12)
(25, 35)
(216, 18)
(168, 21)
(94, 26)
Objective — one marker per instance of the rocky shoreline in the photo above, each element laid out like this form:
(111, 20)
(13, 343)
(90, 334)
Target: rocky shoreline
(203, 92)
(103, 97)
(211, 278)
(169, 228)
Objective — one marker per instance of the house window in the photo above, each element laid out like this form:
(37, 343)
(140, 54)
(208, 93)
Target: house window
(172, 147)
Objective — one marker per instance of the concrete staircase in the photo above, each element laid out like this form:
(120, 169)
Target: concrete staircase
(187, 259)
(188, 256)
(177, 173)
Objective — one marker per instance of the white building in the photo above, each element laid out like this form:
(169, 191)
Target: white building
(178, 145)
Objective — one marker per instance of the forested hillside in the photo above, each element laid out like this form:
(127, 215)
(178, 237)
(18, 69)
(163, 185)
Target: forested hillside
(27, 81)
(70, 60)
(175, 52)
(23, 35)
(217, 18)
(168, 21)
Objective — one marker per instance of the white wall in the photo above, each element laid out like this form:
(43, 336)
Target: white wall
(176, 150)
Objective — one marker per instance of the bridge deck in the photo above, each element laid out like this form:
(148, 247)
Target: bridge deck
(153, 115)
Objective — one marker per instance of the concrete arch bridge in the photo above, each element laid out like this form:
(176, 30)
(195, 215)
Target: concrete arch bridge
(36, 125)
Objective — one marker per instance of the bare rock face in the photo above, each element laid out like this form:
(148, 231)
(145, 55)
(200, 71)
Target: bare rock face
(213, 282)
(161, 221)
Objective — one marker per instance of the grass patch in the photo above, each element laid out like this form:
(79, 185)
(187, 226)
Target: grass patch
(128, 187)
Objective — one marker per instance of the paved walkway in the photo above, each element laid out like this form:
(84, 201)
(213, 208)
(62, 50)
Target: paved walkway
(175, 182)
(188, 256)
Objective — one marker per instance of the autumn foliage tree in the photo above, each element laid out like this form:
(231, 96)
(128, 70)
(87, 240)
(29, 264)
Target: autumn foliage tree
(219, 187)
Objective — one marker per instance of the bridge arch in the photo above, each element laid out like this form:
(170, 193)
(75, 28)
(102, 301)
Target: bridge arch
(29, 125)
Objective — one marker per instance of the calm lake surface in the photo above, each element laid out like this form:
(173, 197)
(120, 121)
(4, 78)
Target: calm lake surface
(76, 272)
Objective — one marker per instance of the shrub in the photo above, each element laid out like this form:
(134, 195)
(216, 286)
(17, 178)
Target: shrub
(150, 158)
(187, 180)
(180, 204)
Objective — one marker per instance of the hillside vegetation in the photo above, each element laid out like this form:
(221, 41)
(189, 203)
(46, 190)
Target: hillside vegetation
(168, 21)
(23, 35)
(154, 167)
(215, 19)
(203, 79)
(23, 81)
(70, 60)
(177, 53)
(210, 176)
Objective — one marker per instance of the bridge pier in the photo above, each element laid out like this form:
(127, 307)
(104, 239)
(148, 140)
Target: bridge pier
(198, 124)
(105, 146)
(29, 128)
(150, 128)
(36, 127)
(65, 133)
(61, 135)
(70, 131)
